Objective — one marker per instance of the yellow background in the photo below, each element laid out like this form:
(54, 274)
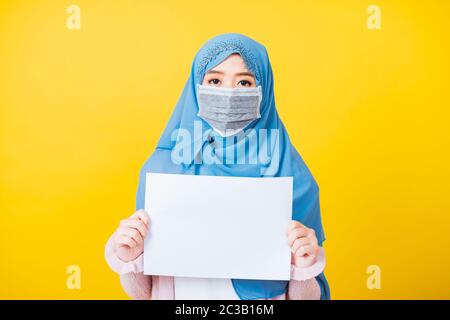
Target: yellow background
(81, 110)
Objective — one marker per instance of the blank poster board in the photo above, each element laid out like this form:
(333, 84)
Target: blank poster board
(218, 227)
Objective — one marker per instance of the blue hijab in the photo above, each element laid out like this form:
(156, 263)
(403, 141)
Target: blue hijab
(288, 162)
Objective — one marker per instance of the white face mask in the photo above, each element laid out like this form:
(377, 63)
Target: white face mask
(228, 110)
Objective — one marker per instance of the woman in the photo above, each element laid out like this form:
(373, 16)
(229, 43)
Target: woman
(229, 93)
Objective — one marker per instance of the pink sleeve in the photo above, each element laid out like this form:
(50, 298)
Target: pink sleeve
(134, 282)
(303, 290)
(137, 285)
(119, 266)
(303, 285)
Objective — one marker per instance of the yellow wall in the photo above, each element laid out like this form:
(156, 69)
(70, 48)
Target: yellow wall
(81, 110)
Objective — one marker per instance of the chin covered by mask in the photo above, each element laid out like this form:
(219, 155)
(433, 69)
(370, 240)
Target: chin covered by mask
(229, 110)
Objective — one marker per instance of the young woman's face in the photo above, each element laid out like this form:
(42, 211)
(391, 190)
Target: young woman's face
(231, 73)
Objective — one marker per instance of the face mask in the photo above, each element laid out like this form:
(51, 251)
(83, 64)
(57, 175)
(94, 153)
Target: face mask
(228, 110)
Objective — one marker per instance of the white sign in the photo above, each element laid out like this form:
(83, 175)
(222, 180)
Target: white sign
(218, 227)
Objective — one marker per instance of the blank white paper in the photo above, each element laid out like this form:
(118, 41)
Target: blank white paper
(218, 227)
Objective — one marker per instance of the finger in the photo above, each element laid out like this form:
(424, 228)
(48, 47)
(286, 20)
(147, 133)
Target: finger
(312, 234)
(297, 233)
(307, 250)
(293, 224)
(132, 233)
(122, 240)
(299, 242)
(293, 258)
(141, 215)
(305, 261)
(135, 224)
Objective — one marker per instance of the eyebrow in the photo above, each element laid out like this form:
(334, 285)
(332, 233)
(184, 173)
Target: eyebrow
(244, 74)
(215, 71)
(238, 74)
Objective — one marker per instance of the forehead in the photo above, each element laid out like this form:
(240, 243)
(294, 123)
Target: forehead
(233, 62)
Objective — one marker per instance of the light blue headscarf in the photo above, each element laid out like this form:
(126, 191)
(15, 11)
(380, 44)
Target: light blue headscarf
(306, 208)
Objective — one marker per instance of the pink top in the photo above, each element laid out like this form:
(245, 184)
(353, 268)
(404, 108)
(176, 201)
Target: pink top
(302, 286)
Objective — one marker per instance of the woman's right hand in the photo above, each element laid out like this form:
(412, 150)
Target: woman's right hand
(129, 236)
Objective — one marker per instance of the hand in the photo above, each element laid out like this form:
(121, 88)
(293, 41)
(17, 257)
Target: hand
(303, 243)
(129, 236)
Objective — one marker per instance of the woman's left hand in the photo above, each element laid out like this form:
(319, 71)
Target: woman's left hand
(303, 243)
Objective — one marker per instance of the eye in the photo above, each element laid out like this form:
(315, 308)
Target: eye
(214, 81)
(244, 83)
